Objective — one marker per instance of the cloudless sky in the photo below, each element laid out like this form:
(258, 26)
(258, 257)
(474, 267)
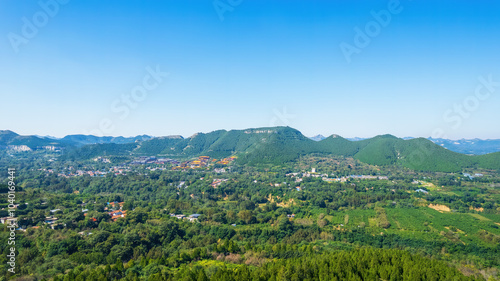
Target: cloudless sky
(258, 64)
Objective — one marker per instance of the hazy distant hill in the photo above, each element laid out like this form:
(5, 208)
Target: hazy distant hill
(318, 138)
(464, 146)
(473, 146)
(105, 149)
(10, 138)
(80, 140)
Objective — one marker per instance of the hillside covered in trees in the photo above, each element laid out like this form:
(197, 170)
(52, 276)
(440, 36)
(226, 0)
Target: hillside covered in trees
(278, 145)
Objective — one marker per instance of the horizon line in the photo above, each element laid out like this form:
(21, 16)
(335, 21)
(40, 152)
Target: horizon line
(227, 130)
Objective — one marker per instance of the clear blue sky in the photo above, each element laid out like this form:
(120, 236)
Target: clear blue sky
(250, 66)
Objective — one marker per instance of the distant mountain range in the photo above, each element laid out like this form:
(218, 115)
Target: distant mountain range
(10, 138)
(81, 140)
(464, 146)
(474, 146)
(275, 145)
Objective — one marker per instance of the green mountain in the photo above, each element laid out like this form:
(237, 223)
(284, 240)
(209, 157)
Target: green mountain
(489, 161)
(417, 154)
(7, 136)
(278, 145)
(274, 145)
(10, 138)
(254, 145)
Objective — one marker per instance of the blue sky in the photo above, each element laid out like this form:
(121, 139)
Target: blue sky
(255, 64)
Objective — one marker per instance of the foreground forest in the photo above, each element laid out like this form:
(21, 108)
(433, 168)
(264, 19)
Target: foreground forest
(319, 217)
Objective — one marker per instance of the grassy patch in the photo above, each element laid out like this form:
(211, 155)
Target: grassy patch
(479, 217)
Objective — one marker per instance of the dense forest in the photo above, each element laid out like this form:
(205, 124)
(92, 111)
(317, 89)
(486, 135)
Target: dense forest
(316, 217)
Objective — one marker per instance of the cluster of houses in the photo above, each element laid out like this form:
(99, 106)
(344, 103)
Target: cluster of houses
(299, 177)
(117, 214)
(51, 221)
(117, 170)
(204, 161)
(422, 191)
(19, 148)
(48, 171)
(325, 177)
(5, 220)
(24, 148)
(226, 161)
(116, 210)
(217, 182)
(81, 173)
(102, 159)
(191, 218)
(143, 160)
(471, 177)
(359, 177)
(200, 162)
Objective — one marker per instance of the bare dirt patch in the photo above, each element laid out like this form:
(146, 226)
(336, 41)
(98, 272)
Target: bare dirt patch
(439, 208)
(476, 209)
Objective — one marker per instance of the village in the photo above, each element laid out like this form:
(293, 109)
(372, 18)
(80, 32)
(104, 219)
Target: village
(325, 177)
(113, 209)
(151, 163)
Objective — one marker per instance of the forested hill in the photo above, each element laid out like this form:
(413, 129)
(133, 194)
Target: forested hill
(278, 145)
(80, 140)
(364, 264)
(10, 138)
(70, 141)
